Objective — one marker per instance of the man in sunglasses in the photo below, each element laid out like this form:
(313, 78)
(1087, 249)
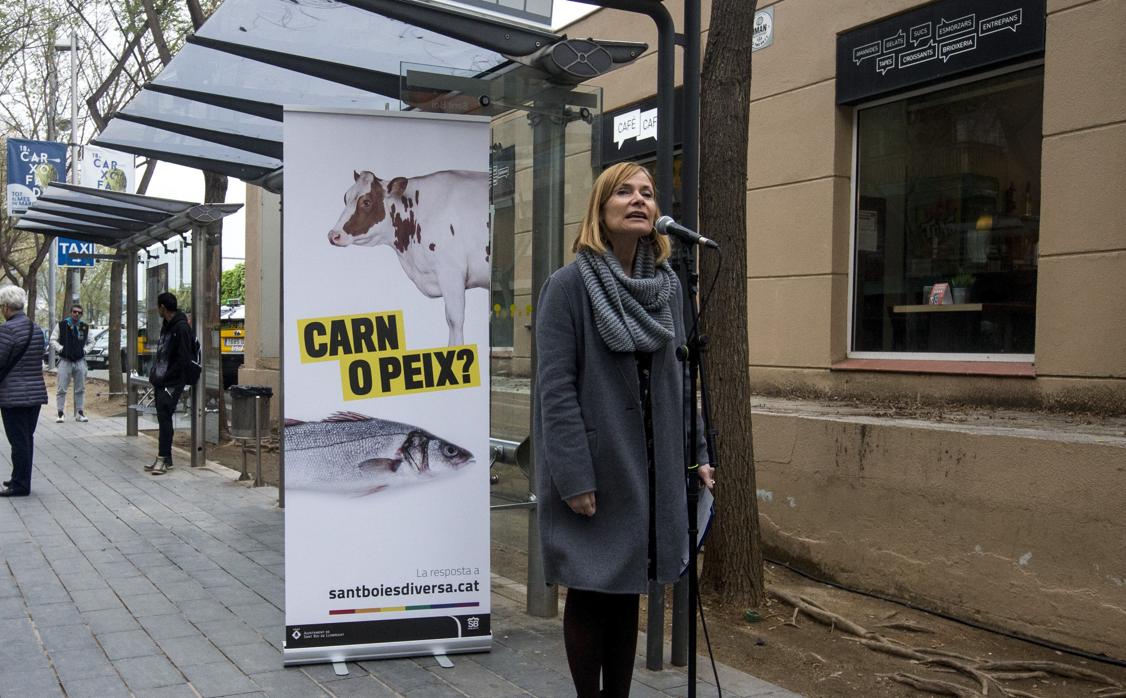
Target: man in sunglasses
(69, 338)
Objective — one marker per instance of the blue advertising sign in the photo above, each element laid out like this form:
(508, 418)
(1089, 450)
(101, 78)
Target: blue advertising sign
(75, 253)
(32, 165)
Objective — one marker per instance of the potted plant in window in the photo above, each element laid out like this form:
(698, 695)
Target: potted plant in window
(960, 286)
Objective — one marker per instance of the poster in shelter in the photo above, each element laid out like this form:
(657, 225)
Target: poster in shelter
(32, 166)
(386, 268)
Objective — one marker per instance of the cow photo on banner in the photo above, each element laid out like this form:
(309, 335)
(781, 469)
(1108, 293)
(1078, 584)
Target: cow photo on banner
(386, 344)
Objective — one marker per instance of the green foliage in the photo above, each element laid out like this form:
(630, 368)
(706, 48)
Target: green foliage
(233, 284)
(183, 297)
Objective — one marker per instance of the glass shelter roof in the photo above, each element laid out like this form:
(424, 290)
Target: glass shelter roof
(218, 104)
(115, 219)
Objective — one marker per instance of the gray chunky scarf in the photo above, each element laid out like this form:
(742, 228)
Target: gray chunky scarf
(631, 313)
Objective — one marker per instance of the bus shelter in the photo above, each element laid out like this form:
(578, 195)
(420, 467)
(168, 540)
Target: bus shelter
(218, 106)
(129, 223)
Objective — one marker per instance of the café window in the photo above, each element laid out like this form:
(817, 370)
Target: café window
(947, 220)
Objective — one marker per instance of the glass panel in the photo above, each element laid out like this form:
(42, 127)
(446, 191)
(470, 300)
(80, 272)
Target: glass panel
(340, 33)
(521, 101)
(948, 219)
(127, 133)
(185, 111)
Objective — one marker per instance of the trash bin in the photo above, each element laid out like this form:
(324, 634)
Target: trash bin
(243, 398)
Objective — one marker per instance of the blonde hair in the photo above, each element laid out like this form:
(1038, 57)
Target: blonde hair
(591, 236)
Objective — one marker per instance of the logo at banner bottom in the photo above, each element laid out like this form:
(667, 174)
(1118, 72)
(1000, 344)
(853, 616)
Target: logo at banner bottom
(372, 632)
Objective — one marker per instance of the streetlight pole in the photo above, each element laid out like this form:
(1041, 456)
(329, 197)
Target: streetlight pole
(74, 274)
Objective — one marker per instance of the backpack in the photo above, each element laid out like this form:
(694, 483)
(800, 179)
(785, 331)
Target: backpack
(195, 364)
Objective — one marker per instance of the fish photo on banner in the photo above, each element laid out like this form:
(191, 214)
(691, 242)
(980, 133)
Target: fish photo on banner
(386, 268)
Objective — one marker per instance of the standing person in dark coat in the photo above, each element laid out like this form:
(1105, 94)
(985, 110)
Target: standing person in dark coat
(22, 390)
(609, 430)
(169, 368)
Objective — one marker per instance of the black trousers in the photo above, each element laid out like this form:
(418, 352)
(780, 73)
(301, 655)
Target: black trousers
(166, 399)
(19, 425)
(600, 634)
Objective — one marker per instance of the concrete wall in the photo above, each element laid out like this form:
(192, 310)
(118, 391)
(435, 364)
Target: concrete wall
(1016, 528)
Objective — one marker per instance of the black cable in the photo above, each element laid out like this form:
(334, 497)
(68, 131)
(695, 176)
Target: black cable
(1048, 644)
(707, 296)
(708, 644)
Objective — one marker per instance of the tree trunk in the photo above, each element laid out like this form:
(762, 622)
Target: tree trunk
(116, 385)
(31, 278)
(733, 562)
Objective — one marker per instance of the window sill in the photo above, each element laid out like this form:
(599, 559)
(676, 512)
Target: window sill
(958, 368)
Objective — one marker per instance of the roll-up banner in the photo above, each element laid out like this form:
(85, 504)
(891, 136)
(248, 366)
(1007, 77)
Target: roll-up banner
(386, 313)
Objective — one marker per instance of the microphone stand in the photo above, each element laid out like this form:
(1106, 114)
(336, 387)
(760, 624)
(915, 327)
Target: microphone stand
(690, 357)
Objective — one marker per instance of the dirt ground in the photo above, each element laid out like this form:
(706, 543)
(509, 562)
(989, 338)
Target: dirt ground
(798, 653)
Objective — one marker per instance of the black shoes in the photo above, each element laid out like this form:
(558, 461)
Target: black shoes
(9, 492)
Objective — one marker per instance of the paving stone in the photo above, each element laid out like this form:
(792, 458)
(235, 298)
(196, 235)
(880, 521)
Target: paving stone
(12, 607)
(48, 615)
(361, 686)
(130, 643)
(186, 651)
(41, 683)
(148, 672)
(287, 683)
(101, 687)
(260, 615)
(256, 657)
(403, 675)
(109, 621)
(168, 626)
(67, 637)
(132, 586)
(229, 633)
(204, 610)
(149, 605)
(184, 590)
(182, 690)
(95, 599)
(81, 664)
(219, 679)
(325, 673)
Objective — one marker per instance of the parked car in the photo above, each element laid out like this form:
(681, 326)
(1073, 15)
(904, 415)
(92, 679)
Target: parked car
(97, 356)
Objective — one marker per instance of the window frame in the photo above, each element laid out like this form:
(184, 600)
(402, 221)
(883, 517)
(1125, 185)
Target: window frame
(852, 353)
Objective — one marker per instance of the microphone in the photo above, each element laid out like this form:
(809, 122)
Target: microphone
(665, 225)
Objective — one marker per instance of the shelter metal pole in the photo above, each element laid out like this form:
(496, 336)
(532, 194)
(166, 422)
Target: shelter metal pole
(548, 169)
(131, 341)
(281, 346)
(199, 325)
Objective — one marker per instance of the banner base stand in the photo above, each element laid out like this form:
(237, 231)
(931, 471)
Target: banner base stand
(444, 661)
(339, 654)
(340, 668)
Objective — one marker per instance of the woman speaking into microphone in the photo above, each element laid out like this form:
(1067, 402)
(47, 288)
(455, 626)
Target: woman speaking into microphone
(609, 431)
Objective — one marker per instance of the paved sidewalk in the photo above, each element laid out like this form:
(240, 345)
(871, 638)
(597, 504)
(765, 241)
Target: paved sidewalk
(115, 583)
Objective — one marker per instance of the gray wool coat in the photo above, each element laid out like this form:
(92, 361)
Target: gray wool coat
(589, 436)
(23, 387)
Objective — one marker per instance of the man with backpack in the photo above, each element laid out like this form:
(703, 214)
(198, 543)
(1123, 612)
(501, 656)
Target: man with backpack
(172, 369)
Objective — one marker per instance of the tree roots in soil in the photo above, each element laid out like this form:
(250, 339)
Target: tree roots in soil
(987, 675)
